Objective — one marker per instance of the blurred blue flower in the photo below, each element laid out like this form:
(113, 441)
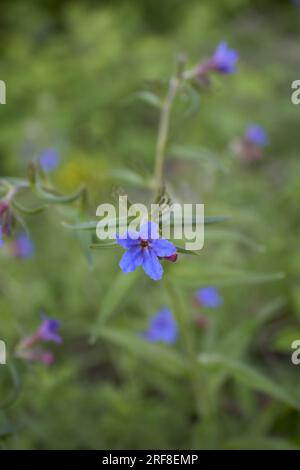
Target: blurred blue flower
(255, 134)
(48, 330)
(296, 3)
(144, 248)
(162, 327)
(23, 246)
(49, 159)
(224, 59)
(1, 239)
(209, 297)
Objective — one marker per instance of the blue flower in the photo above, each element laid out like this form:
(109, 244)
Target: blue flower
(224, 59)
(23, 246)
(1, 239)
(209, 297)
(48, 330)
(256, 135)
(144, 248)
(49, 159)
(162, 327)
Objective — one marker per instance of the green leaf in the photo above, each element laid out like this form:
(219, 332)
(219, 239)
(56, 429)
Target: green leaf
(26, 210)
(192, 221)
(162, 357)
(52, 198)
(258, 443)
(198, 154)
(234, 236)
(104, 245)
(216, 219)
(119, 288)
(149, 98)
(248, 376)
(84, 239)
(129, 176)
(191, 276)
(6, 431)
(193, 101)
(16, 385)
(283, 340)
(92, 225)
(187, 252)
(122, 221)
(238, 338)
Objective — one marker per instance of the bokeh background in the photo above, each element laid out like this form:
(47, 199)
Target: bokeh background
(74, 73)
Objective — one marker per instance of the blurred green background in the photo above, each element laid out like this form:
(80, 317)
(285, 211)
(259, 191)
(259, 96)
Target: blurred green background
(73, 72)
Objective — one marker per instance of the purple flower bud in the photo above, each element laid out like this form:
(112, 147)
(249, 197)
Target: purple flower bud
(3, 207)
(5, 219)
(224, 59)
(48, 330)
(162, 327)
(46, 357)
(36, 355)
(256, 135)
(171, 258)
(49, 159)
(23, 246)
(209, 297)
(202, 321)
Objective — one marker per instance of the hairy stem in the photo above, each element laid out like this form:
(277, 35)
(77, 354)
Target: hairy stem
(163, 132)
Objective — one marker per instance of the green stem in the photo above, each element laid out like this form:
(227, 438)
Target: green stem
(186, 329)
(163, 131)
(181, 315)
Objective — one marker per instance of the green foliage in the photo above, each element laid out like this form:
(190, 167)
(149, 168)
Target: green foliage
(89, 80)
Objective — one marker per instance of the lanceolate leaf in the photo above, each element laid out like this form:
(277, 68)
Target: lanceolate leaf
(149, 98)
(104, 244)
(249, 376)
(158, 356)
(190, 275)
(119, 288)
(27, 210)
(51, 197)
(119, 222)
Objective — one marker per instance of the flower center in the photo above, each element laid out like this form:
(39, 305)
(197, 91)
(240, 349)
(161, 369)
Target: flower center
(144, 243)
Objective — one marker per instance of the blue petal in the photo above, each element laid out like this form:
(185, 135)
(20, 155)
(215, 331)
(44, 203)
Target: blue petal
(220, 50)
(225, 59)
(163, 247)
(162, 327)
(209, 297)
(151, 265)
(149, 231)
(49, 159)
(128, 239)
(131, 259)
(257, 135)
(24, 247)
